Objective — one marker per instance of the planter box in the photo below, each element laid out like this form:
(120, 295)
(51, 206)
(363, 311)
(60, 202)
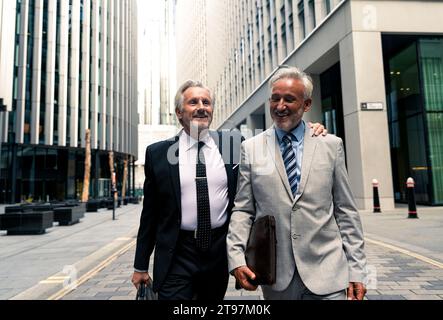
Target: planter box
(110, 204)
(32, 207)
(93, 205)
(26, 223)
(67, 216)
(13, 209)
(134, 200)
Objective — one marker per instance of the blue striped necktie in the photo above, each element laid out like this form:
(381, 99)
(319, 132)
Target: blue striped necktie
(290, 161)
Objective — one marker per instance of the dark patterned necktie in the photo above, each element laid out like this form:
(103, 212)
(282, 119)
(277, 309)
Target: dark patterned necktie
(203, 236)
(290, 161)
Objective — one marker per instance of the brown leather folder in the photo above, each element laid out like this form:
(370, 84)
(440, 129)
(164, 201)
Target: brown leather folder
(261, 253)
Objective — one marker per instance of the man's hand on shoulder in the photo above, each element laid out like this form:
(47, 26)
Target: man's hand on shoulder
(139, 277)
(356, 291)
(318, 129)
(243, 274)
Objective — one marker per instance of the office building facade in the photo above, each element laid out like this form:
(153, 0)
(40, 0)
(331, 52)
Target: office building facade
(156, 79)
(74, 69)
(377, 68)
(157, 67)
(7, 23)
(192, 46)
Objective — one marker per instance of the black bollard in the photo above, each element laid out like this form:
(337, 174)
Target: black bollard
(412, 208)
(376, 196)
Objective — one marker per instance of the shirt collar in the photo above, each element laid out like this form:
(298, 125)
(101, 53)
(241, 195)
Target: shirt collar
(298, 132)
(189, 142)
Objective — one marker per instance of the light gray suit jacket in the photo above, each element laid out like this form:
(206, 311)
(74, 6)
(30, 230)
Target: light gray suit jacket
(319, 231)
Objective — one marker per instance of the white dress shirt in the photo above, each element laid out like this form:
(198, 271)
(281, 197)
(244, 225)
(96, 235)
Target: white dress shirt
(216, 177)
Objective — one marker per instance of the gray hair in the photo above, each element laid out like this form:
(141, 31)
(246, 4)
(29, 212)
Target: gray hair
(179, 97)
(287, 72)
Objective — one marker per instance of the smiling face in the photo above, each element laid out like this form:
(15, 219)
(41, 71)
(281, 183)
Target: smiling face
(196, 112)
(288, 103)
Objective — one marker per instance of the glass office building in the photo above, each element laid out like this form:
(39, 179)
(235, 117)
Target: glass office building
(414, 88)
(377, 68)
(74, 69)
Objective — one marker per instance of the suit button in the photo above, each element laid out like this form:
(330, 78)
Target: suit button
(295, 208)
(294, 236)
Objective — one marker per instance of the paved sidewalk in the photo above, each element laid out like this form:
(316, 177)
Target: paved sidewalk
(35, 266)
(113, 283)
(395, 276)
(405, 258)
(423, 235)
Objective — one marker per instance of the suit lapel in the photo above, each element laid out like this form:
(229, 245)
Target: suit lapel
(174, 169)
(275, 154)
(309, 146)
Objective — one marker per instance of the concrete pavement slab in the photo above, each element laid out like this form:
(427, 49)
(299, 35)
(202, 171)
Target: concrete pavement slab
(384, 288)
(400, 269)
(28, 262)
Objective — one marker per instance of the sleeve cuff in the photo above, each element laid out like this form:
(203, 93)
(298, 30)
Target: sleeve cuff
(358, 277)
(234, 263)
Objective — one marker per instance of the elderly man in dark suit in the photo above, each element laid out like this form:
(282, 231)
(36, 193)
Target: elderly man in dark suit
(187, 230)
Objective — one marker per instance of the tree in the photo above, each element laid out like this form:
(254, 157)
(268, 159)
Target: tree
(125, 177)
(86, 179)
(113, 180)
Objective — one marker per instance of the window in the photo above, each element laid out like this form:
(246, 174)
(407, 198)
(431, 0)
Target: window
(301, 19)
(312, 13)
(328, 6)
(431, 62)
(413, 73)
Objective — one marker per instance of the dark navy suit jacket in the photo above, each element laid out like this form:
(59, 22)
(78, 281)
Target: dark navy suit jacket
(161, 216)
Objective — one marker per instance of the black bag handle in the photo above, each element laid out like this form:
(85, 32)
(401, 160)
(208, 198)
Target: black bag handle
(141, 292)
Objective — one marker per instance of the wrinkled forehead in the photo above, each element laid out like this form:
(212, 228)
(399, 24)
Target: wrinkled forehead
(287, 85)
(197, 92)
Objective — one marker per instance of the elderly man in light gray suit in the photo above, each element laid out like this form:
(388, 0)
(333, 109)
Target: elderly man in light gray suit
(301, 181)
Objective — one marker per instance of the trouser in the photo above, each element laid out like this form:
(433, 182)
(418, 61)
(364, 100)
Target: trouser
(196, 275)
(298, 291)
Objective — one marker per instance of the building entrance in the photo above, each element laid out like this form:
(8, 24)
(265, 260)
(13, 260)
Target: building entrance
(414, 88)
(332, 102)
